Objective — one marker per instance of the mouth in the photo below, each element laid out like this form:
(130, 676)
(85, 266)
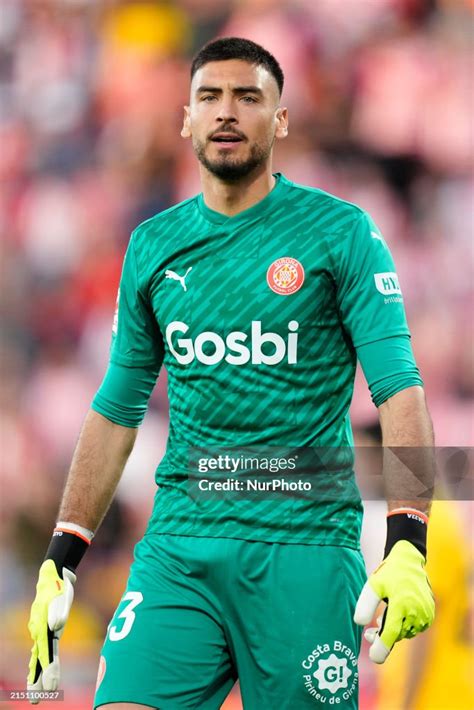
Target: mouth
(226, 140)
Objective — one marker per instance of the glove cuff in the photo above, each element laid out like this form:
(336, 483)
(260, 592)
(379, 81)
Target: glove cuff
(66, 549)
(407, 524)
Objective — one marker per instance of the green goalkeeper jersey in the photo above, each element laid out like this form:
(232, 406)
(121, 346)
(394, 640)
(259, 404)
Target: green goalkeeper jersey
(257, 318)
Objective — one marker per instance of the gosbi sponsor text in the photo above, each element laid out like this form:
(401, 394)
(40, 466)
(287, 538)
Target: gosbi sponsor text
(237, 348)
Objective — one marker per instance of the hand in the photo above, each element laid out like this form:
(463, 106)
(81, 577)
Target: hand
(49, 613)
(400, 581)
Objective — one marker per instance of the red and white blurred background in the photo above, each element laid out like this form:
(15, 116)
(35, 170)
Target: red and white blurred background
(380, 96)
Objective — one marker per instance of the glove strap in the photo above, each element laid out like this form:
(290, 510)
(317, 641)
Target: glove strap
(68, 546)
(407, 524)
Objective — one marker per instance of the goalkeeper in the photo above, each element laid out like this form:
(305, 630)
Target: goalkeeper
(258, 295)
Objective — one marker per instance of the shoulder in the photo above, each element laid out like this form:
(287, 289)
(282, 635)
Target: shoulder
(328, 208)
(163, 223)
(339, 223)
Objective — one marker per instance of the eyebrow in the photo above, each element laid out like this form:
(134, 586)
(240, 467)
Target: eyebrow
(237, 90)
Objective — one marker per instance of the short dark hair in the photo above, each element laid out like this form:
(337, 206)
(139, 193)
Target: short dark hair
(238, 48)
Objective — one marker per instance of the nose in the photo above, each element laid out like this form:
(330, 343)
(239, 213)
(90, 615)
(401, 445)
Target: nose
(226, 113)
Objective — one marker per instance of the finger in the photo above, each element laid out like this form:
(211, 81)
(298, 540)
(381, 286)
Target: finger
(60, 606)
(381, 620)
(391, 629)
(52, 672)
(424, 627)
(45, 647)
(366, 605)
(410, 627)
(37, 683)
(378, 652)
(370, 634)
(34, 668)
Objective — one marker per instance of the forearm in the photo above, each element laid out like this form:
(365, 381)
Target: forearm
(401, 579)
(97, 465)
(408, 441)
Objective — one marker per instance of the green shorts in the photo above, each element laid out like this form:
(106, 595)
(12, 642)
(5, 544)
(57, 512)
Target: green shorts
(198, 613)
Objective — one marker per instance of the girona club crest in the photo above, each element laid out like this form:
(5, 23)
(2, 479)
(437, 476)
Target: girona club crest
(285, 276)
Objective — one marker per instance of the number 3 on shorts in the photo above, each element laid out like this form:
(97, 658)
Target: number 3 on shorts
(133, 599)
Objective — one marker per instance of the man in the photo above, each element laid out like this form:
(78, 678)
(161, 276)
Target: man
(257, 295)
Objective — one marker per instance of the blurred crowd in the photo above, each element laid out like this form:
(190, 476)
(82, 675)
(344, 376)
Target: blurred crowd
(381, 104)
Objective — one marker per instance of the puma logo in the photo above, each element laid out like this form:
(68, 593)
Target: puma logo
(173, 275)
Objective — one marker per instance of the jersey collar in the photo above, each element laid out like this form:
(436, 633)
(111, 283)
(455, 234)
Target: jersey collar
(256, 210)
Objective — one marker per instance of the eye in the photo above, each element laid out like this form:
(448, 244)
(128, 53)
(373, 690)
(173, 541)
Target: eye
(249, 99)
(208, 98)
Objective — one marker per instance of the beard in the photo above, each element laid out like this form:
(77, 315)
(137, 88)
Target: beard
(229, 169)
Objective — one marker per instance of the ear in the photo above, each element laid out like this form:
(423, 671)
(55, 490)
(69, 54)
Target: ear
(281, 123)
(186, 129)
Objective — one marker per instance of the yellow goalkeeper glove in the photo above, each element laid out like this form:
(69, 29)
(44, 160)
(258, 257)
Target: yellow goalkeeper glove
(400, 581)
(52, 604)
(49, 613)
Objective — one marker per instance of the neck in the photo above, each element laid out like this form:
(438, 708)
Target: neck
(230, 198)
